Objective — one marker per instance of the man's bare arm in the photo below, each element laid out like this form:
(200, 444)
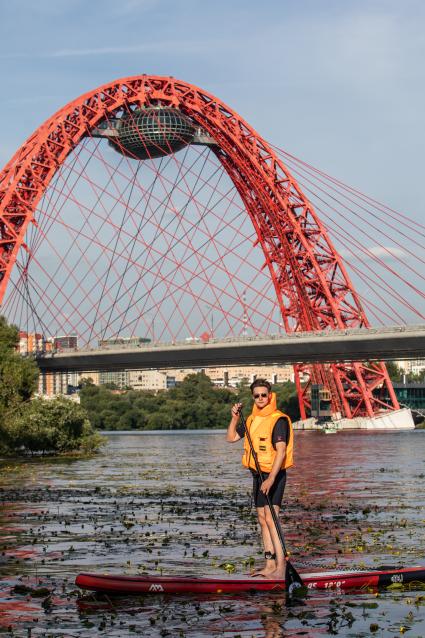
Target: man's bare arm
(232, 436)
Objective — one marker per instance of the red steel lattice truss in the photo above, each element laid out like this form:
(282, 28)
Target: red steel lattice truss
(313, 289)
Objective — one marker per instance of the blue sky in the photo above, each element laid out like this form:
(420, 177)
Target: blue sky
(339, 83)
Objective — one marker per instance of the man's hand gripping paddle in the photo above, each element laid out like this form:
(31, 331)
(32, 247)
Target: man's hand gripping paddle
(294, 585)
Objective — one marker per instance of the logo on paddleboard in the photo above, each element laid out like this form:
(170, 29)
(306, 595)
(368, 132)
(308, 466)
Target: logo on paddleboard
(397, 578)
(293, 587)
(155, 587)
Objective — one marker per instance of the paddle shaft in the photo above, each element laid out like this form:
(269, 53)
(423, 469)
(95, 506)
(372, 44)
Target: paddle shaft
(268, 501)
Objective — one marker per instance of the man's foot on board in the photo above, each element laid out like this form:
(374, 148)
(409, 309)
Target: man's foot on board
(258, 572)
(270, 566)
(272, 574)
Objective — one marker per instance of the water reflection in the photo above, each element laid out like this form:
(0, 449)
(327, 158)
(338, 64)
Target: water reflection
(180, 503)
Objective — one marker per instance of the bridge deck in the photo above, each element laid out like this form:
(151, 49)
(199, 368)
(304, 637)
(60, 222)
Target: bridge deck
(350, 345)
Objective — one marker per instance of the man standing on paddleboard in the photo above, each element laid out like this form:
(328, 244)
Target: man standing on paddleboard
(272, 438)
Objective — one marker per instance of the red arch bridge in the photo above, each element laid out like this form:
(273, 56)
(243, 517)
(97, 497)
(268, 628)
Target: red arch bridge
(149, 207)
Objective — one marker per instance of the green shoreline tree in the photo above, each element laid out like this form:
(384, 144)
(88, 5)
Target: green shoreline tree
(194, 404)
(29, 425)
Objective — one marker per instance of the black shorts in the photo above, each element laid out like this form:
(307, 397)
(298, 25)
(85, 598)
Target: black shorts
(275, 493)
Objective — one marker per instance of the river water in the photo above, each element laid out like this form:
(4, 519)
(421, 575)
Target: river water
(179, 503)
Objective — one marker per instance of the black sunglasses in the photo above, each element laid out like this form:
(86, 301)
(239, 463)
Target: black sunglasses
(263, 395)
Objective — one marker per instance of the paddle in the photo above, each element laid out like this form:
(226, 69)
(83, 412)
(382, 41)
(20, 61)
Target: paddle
(294, 585)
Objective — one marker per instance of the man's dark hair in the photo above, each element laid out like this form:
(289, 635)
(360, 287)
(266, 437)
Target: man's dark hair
(260, 383)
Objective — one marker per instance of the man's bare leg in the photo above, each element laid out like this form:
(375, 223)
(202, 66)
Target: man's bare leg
(270, 564)
(273, 568)
(278, 570)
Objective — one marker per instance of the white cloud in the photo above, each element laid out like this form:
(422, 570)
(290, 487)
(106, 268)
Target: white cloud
(191, 46)
(388, 252)
(372, 253)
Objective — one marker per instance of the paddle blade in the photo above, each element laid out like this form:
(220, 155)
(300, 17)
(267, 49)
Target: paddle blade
(294, 584)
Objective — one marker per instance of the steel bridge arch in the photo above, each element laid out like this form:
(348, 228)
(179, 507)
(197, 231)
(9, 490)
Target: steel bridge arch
(312, 286)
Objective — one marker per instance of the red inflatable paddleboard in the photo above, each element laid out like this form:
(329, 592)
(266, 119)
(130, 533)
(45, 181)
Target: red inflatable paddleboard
(116, 584)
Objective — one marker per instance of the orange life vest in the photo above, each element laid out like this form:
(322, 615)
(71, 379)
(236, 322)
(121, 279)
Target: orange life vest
(260, 424)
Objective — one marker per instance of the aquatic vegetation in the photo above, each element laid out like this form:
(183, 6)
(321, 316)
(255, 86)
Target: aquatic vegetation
(175, 503)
